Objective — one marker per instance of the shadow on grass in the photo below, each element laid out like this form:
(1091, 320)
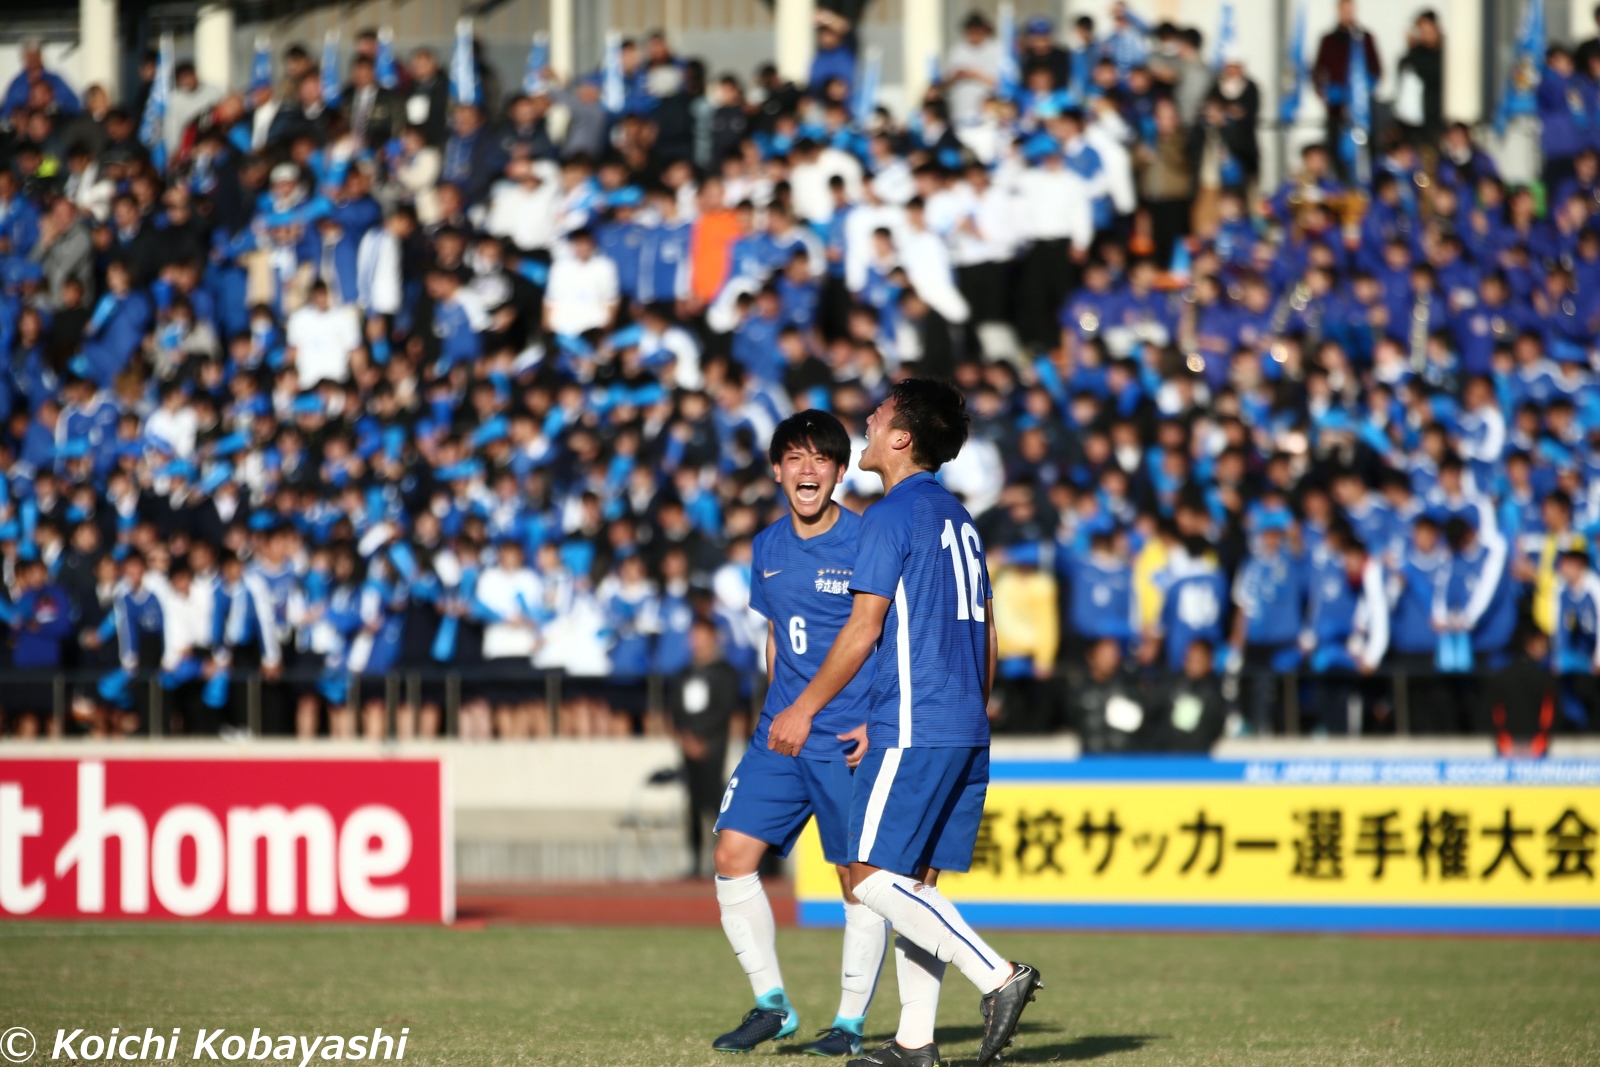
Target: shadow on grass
(1077, 1050)
(954, 1035)
(1088, 1047)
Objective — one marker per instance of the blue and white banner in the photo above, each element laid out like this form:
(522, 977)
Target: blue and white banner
(1295, 77)
(867, 82)
(261, 64)
(1360, 118)
(388, 73)
(613, 93)
(1227, 37)
(533, 79)
(1010, 80)
(1520, 96)
(332, 92)
(153, 129)
(464, 66)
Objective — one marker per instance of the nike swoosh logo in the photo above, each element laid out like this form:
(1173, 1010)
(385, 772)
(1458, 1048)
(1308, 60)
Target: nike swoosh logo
(769, 574)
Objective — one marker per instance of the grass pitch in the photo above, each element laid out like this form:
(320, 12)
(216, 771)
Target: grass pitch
(656, 997)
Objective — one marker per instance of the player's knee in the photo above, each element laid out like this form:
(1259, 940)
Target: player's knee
(731, 860)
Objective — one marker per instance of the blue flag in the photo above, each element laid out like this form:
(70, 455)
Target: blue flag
(1360, 111)
(533, 82)
(1289, 106)
(1227, 37)
(1010, 80)
(1182, 264)
(331, 91)
(388, 74)
(464, 66)
(1522, 80)
(613, 94)
(153, 129)
(867, 81)
(261, 64)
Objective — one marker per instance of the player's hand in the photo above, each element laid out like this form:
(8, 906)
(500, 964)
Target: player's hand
(853, 758)
(788, 732)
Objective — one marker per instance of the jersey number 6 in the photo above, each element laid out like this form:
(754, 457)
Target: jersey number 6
(797, 635)
(969, 584)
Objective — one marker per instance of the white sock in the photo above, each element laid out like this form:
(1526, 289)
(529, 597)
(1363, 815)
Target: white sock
(747, 920)
(921, 914)
(866, 939)
(920, 976)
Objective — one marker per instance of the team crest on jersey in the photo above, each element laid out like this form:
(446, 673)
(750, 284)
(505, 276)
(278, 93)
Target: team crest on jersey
(834, 580)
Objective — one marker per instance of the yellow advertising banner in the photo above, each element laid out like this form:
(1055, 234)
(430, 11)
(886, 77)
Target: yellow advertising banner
(1195, 845)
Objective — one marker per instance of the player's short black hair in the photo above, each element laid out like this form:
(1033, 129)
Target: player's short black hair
(819, 430)
(935, 414)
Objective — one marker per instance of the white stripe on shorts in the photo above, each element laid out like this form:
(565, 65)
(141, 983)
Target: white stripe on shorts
(876, 802)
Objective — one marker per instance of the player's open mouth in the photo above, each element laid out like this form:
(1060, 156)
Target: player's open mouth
(807, 492)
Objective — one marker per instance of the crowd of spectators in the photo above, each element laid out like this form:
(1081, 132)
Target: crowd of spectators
(412, 382)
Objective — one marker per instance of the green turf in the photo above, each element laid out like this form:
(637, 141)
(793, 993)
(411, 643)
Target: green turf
(652, 998)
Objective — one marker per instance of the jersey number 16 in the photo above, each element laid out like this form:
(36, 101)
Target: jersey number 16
(969, 583)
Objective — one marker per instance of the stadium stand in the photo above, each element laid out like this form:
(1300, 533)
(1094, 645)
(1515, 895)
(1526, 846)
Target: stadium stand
(367, 402)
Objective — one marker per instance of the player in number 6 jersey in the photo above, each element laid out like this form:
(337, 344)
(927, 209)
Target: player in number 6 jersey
(800, 579)
(922, 614)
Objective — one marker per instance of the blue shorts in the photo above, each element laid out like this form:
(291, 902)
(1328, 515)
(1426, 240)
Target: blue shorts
(918, 807)
(770, 797)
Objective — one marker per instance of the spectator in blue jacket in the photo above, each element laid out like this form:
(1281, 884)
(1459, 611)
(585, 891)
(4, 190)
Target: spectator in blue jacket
(1576, 652)
(41, 619)
(34, 86)
(1565, 115)
(1269, 598)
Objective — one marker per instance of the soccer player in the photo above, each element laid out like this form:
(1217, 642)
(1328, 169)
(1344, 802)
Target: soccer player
(922, 613)
(799, 579)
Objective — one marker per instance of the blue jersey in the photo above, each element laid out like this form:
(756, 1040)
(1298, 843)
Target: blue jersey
(803, 586)
(1411, 627)
(1577, 619)
(664, 262)
(1270, 590)
(920, 550)
(1102, 598)
(1192, 609)
(623, 242)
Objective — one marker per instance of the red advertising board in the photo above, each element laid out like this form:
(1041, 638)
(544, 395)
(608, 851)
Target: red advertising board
(237, 839)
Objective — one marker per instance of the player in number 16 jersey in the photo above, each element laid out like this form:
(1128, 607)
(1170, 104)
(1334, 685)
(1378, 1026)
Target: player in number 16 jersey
(923, 618)
(800, 581)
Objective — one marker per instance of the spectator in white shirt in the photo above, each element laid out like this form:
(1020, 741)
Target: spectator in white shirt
(927, 262)
(662, 339)
(583, 291)
(812, 167)
(1053, 203)
(321, 338)
(189, 100)
(174, 423)
(973, 69)
(525, 206)
(984, 242)
(509, 594)
(380, 282)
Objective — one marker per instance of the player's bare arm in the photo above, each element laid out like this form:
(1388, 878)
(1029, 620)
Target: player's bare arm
(772, 651)
(850, 650)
